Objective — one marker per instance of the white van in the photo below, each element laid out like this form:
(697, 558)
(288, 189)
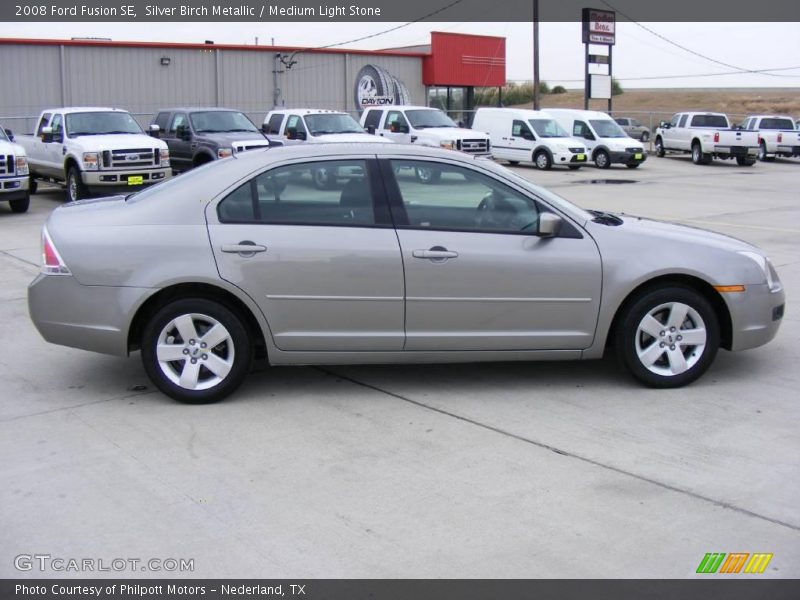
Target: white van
(529, 135)
(424, 126)
(606, 141)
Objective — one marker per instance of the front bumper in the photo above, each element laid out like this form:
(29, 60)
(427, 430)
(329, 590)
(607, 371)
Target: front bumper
(627, 158)
(14, 188)
(89, 317)
(120, 180)
(756, 315)
(570, 158)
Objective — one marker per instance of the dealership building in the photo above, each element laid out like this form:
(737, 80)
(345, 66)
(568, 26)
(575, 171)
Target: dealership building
(143, 77)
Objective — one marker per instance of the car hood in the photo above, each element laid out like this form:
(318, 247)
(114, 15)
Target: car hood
(119, 141)
(348, 137)
(11, 148)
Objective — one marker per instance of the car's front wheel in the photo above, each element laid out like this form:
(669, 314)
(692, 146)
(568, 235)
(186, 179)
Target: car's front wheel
(602, 160)
(75, 188)
(21, 204)
(196, 350)
(668, 337)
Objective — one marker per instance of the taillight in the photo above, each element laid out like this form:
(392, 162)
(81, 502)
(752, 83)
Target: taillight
(716, 136)
(52, 263)
(780, 138)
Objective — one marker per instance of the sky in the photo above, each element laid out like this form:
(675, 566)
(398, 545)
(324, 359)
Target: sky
(638, 52)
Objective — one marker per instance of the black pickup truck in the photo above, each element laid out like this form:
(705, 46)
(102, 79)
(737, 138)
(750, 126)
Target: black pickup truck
(198, 135)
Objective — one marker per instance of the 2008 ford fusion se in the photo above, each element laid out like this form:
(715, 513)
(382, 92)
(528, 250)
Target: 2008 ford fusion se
(407, 254)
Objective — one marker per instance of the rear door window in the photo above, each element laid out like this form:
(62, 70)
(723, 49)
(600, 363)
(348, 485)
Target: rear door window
(682, 122)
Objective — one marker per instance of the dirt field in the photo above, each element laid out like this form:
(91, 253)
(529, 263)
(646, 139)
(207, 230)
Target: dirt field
(663, 103)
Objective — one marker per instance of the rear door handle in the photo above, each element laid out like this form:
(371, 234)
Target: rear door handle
(437, 254)
(245, 248)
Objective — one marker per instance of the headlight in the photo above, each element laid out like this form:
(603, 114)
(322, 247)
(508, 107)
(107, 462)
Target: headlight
(90, 160)
(22, 165)
(224, 152)
(448, 144)
(164, 157)
(765, 264)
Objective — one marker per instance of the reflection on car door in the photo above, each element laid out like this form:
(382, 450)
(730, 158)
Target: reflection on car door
(324, 265)
(477, 278)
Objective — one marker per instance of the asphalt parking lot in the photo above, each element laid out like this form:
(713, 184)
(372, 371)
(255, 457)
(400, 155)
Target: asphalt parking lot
(495, 470)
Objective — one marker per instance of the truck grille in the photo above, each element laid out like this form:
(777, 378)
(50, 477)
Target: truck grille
(474, 146)
(131, 158)
(7, 165)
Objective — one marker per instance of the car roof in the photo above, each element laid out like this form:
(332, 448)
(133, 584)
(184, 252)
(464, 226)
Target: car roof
(197, 109)
(308, 111)
(513, 111)
(769, 117)
(81, 109)
(573, 111)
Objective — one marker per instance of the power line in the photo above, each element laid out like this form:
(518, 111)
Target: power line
(689, 50)
(688, 75)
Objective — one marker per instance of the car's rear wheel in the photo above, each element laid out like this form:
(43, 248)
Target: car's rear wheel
(668, 337)
(196, 350)
(659, 147)
(21, 205)
(745, 161)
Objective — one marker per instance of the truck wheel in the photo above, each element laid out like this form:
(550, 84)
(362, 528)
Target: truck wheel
(762, 153)
(542, 160)
(745, 161)
(75, 188)
(698, 156)
(660, 147)
(21, 205)
(602, 160)
(196, 350)
(33, 185)
(667, 337)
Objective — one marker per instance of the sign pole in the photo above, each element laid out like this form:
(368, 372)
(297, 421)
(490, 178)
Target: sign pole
(535, 54)
(586, 79)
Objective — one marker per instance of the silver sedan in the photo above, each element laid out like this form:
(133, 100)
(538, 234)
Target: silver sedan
(248, 260)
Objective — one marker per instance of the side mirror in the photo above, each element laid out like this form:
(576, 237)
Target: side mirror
(403, 129)
(549, 225)
(291, 133)
(265, 128)
(10, 134)
(47, 134)
(371, 130)
(182, 131)
(154, 130)
(300, 135)
(394, 128)
(664, 125)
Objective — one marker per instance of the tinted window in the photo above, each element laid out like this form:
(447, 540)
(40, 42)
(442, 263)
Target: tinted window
(775, 123)
(373, 119)
(161, 120)
(335, 193)
(622, 122)
(520, 129)
(395, 117)
(296, 123)
(178, 120)
(440, 196)
(275, 123)
(547, 128)
(682, 122)
(715, 121)
(581, 129)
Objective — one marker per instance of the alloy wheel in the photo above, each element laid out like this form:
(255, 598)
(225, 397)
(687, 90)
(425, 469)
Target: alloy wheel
(670, 339)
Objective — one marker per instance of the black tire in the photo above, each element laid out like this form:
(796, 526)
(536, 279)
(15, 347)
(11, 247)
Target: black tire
(698, 156)
(645, 136)
(630, 340)
(237, 348)
(659, 147)
(542, 160)
(75, 188)
(574, 167)
(427, 175)
(33, 185)
(21, 205)
(371, 82)
(745, 161)
(602, 160)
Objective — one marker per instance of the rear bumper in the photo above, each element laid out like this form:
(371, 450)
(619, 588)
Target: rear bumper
(788, 150)
(88, 317)
(737, 150)
(756, 315)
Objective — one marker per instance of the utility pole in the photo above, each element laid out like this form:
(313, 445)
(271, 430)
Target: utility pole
(536, 104)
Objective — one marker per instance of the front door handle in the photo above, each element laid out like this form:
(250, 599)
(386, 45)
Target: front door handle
(435, 254)
(244, 248)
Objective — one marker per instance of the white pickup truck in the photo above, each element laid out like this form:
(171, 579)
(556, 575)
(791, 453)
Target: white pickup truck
(13, 173)
(424, 126)
(777, 135)
(706, 136)
(94, 151)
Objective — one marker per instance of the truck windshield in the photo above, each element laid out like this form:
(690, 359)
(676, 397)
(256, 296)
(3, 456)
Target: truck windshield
(100, 123)
(606, 128)
(421, 119)
(711, 121)
(329, 123)
(547, 128)
(221, 121)
(776, 123)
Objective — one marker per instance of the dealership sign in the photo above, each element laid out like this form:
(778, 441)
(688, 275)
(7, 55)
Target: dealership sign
(598, 26)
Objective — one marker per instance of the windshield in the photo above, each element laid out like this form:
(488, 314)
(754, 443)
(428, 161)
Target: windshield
(776, 123)
(606, 128)
(332, 123)
(221, 121)
(547, 128)
(420, 119)
(99, 123)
